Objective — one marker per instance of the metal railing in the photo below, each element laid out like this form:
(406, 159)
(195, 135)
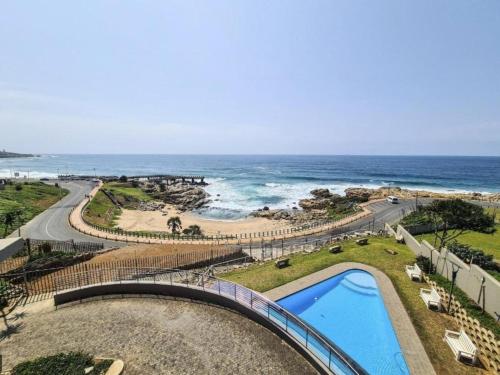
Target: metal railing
(321, 348)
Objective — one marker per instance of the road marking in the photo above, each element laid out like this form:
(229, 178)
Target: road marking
(62, 207)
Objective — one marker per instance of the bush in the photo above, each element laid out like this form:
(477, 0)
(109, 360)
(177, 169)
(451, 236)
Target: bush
(45, 248)
(471, 255)
(123, 179)
(19, 187)
(418, 217)
(424, 263)
(60, 364)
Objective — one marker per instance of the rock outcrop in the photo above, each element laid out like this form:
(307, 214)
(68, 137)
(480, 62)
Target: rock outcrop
(293, 216)
(184, 197)
(321, 200)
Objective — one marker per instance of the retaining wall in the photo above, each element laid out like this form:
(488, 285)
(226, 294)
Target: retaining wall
(478, 284)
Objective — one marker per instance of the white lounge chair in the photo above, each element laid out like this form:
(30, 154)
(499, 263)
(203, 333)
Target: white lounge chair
(461, 345)
(431, 298)
(414, 272)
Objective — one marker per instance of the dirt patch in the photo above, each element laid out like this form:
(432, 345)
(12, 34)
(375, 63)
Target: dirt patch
(145, 250)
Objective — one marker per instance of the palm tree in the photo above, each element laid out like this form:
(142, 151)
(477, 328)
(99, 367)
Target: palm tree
(174, 223)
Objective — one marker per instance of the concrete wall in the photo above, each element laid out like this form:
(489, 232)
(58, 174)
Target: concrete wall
(10, 246)
(470, 278)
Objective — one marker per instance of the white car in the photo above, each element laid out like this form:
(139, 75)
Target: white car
(392, 199)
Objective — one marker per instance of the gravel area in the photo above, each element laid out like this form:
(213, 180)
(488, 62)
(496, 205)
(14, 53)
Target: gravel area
(156, 336)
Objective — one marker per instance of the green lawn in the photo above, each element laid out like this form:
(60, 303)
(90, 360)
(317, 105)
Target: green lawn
(32, 199)
(429, 325)
(101, 210)
(125, 193)
(488, 243)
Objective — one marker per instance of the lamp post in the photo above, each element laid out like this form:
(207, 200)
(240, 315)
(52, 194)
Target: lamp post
(454, 271)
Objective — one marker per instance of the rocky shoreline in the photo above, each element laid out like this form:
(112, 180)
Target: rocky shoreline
(322, 205)
(383, 192)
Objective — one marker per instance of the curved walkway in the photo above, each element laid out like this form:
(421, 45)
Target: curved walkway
(412, 347)
(156, 336)
(77, 222)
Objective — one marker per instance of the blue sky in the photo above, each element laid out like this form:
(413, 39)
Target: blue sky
(285, 77)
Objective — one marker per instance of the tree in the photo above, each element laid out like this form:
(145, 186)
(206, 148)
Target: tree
(8, 219)
(451, 218)
(123, 179)
(193, 230)
(174, 223)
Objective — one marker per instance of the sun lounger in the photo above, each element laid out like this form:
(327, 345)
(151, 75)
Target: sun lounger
(414, 272)
(431, 298)
(461, 345)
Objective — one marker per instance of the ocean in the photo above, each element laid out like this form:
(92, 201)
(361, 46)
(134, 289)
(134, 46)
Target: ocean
(248, 182)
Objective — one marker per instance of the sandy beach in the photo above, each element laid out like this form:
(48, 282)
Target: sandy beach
(135, 220)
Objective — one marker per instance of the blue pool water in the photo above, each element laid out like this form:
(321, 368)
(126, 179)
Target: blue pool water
(348, 309)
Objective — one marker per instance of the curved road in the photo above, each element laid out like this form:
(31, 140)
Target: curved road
(53, 224)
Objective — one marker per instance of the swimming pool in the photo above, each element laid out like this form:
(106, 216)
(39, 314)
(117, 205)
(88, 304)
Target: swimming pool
(349, 310)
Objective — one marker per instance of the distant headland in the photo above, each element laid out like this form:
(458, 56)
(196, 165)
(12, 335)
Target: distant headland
(6, 154)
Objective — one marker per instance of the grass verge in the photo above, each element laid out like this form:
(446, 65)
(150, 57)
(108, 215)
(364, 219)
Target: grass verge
(103, 212)
(473, 310)
(489, 243)
(30, 199)
(429, 325)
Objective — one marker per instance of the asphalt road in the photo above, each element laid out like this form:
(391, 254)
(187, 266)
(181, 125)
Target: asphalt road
(53, 223)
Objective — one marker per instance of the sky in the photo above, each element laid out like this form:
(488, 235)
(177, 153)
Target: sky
(250, 77)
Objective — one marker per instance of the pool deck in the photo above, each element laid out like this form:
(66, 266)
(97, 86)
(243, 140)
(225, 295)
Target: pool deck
(416, 358)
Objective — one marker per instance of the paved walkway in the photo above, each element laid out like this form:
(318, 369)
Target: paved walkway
(77, 223)
(154, 336)
(414, 352)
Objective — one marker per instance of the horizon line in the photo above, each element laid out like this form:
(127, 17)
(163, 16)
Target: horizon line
(265, 154)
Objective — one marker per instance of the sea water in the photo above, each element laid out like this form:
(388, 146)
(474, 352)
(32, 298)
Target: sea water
(239, 184)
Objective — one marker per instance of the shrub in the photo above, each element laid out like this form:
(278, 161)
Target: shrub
(19, 187)
(60, 364)
(424, 263)
(45, 248)
(471, 255)
(418, 217)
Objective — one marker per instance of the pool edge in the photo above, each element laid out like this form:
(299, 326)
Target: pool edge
(415, 355)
